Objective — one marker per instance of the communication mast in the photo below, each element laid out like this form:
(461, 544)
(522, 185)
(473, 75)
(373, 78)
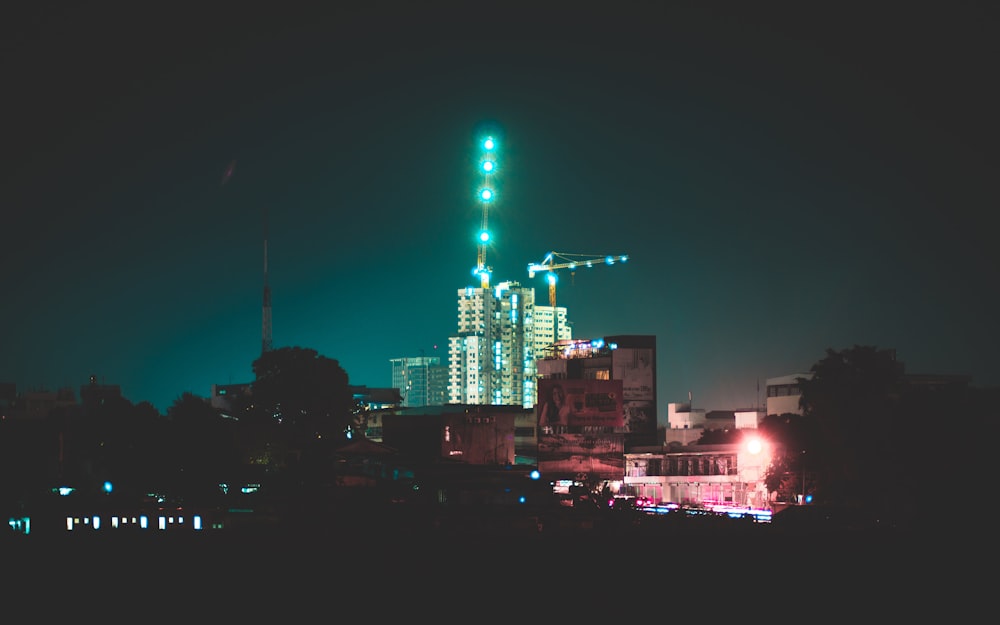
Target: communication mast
(486, 194)
(560, 260)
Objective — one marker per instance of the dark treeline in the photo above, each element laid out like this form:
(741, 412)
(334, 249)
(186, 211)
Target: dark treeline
(869, 436)
(300, 407)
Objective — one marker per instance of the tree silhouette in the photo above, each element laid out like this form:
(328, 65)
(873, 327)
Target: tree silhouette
(854, 397)
(304, 403)
(794, 436)
(202, 448)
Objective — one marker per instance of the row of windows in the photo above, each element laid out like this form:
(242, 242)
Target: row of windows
(783, 390)
(479, 419)
(683, 465)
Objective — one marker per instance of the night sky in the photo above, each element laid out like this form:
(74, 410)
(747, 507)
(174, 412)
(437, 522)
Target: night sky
(785, 180)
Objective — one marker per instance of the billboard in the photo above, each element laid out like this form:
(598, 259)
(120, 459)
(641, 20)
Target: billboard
(634, 367)
(584, 457)
(566, 404)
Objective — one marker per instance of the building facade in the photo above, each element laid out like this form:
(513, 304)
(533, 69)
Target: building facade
(630, 359)
(551, 324)
(783, 394)
(466, 435)
(702, 476)
(491, 358)
(604, 393)
(421, 380)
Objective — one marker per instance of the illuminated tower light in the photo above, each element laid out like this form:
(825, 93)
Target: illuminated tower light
(486, 195)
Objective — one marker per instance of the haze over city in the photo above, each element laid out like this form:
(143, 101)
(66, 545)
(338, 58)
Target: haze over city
(783, 180)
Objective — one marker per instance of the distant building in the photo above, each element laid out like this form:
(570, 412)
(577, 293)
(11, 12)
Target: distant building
(703, 476)
(748, 419)
(783, 394)
(38, 404)
(551, 325)
(223, 395)
(469, 434)
(421, 380)
(378, 402)
(374, 398)
(682, 417)
(94, 395)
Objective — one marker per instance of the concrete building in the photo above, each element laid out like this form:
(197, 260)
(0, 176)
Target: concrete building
(706, 476)
(783, 393)
(95, 394)
(491, 358)
(686, 473)
(630, 359)
(607, 387)
(525, 433)
(681, 416)
(39, 403)
(421, 380)
(465, 434)
(551, 324)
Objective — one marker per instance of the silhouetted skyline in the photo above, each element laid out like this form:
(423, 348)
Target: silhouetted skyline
(784, 180)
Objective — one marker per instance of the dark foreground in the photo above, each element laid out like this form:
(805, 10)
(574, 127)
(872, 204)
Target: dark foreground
(460, 574)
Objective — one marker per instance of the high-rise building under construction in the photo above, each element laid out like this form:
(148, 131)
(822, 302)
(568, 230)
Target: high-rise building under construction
(500, 332)
(491, 360)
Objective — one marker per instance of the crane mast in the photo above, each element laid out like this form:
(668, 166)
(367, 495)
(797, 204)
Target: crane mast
(487, 166)
(554, 261)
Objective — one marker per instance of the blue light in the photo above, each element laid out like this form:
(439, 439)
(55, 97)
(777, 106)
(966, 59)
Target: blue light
(107, 487)
(535, 474)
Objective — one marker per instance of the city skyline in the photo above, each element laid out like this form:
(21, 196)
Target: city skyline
(783, 181)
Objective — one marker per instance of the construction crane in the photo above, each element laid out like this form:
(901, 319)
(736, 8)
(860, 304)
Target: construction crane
(560, 260)
(487, 166)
